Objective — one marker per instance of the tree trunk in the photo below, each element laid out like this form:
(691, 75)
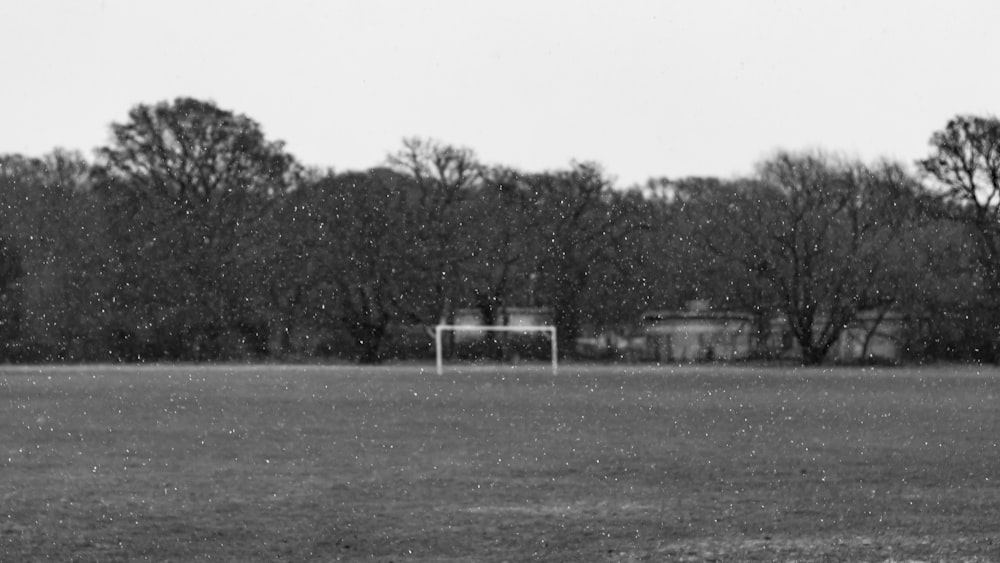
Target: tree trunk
(369, 337)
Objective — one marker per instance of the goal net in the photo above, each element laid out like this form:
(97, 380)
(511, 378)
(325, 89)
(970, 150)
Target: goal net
(550, 331)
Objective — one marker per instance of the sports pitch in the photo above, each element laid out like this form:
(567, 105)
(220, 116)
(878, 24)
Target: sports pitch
(609, 463)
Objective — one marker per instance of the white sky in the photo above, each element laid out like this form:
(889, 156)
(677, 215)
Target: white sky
(647, 89)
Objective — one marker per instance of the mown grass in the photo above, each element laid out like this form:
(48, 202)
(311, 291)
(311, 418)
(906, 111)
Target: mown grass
(272, 463)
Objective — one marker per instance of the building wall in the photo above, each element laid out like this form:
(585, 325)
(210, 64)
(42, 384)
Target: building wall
(514, 316)
(699, 339)
(686, 336)
(883, 336)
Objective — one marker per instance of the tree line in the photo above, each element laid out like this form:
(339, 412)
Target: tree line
(191, 236)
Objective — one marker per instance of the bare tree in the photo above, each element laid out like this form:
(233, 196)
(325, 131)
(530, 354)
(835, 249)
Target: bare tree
(357, 275)
(964, 166)
(11, 273)
(191, 187)
(49, 216)
(580, 229)
(817, 235)
(434, 219)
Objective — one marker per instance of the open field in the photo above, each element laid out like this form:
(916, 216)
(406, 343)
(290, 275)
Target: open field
(703, 463)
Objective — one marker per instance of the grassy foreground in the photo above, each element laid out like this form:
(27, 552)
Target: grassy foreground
(701, 463)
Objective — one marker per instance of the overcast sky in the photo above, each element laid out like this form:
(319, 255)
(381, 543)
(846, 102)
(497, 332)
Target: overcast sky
(647, 89)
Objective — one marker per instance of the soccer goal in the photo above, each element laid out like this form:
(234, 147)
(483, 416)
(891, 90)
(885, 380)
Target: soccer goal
(549, 330)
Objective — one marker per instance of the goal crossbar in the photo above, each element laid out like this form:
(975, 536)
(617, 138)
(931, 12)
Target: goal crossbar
(549, 330)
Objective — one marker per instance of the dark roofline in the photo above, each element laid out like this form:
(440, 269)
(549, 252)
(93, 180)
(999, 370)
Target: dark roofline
(654, 316)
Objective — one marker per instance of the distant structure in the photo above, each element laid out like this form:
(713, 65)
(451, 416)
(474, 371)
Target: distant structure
(506, 316)
(697, 334)
(874, 336)
(700, 334)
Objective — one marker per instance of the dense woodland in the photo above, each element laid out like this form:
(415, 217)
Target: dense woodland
(190, 236)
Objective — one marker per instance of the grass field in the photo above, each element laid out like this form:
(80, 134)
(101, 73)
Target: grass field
(612, 463)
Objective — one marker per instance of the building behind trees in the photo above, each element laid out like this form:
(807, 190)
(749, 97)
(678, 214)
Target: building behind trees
(193, 237)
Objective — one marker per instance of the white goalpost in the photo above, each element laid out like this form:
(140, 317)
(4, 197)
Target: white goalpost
(550, 330)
